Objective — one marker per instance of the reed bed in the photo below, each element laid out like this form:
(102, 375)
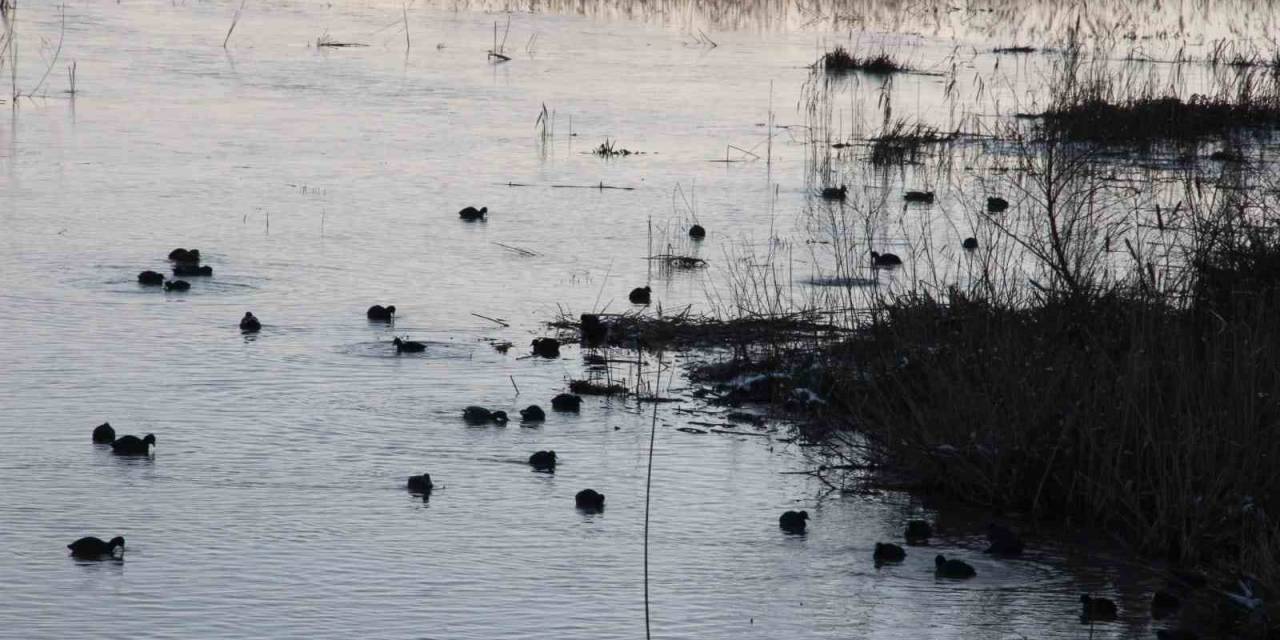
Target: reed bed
(903, 142)
(687, 330)
(1093, 101)
(841, 60)
(1105, 359)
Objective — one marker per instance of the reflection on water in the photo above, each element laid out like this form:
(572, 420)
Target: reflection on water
(317, 182)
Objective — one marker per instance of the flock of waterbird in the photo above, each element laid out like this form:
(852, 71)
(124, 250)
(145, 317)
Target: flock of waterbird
(187, 263)
(1003, 541)
(1006, 543)
(995, 204)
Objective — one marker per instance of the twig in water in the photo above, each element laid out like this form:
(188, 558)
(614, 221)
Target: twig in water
(234, 19)
(728, 148)
(498, 50)
(648, 486)
(495, 320)
(523, 252)
(546, 130)
(602, 186)
(737, 433)
(325, 40)
(513, 383)
(404, 7)
(61, 36)
(648, 277)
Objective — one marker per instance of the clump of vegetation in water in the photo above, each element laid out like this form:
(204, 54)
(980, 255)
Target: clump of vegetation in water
(609, 149)
(901, 142)
(679, 262)
(1163, 118)
(593, 388)
(840, 60)
(327, 41)
(687, 330)
(1231, 53)
(1099, 104)
(1152, 414)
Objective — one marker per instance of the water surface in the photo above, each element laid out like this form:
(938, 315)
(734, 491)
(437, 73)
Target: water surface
(319, 181)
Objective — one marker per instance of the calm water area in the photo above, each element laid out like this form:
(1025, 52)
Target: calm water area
(317, 181)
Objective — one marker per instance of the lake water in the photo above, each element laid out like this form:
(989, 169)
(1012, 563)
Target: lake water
(318, 181)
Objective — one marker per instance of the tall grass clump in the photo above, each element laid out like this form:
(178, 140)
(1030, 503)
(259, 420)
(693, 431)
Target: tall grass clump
(840, 60)
(1098, 102)
(902, 142)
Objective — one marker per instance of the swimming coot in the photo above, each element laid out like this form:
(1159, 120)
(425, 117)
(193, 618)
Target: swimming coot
(835, 193)
(997, 205)
(177, 285)
(479, 415)
(472, 213)
(543, 461)
(533, 413)
(421, 484)
(1004, 542)
(133, 445)
(697, 232)
(546, 347)
(150, 278)
(104, 434)
(189, 270)
(640, 295)
(249, 323)
(93, 548)
(1176, 634)
(381, 313)
(408, 346)
(589, 500)
(1189, 578)
(1163, 604)
(594, 331)
(793, 521)
(566, 402)
(918, 532)
(969, 244)
(191, 256)
(885, 259)
(886, 552)
(918, 196)
(956, 569)
(1097, 609)
(476, 414)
